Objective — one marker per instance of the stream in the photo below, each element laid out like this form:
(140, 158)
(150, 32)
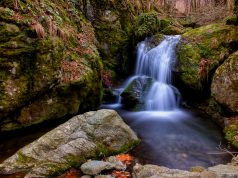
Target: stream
(170, 136)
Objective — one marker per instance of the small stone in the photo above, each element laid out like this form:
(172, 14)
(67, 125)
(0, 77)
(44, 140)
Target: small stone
(93, 167)
(104, 176)
(117, 164)
(86, 176)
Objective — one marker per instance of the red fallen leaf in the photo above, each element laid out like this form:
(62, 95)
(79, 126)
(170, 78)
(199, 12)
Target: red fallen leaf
(72, 173)
(125, 158)
(121, 174)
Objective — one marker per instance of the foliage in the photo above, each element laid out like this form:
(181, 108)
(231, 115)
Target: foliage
(147, 24)
(231, 134)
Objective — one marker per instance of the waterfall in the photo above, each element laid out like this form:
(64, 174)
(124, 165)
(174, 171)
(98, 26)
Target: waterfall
(157, 63)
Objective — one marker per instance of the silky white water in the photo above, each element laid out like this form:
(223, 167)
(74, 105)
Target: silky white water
(158, 63)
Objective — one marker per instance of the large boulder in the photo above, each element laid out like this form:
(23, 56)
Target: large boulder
(201, 51)
(49, 64)
(225, 84)
(91, 135)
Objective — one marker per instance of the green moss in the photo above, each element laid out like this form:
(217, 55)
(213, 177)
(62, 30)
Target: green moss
(147, 24)
(105, 151)
(231, 134)
(211, 43)
(23, 158)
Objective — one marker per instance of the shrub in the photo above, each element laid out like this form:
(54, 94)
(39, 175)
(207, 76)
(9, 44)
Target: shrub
(147, 24)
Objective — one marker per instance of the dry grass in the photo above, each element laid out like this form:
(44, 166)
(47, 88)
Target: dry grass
(40, 31)
(52, 28)
(61, 33)
(15, 4)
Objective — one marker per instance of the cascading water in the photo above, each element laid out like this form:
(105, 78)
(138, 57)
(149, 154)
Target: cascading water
(157, 63)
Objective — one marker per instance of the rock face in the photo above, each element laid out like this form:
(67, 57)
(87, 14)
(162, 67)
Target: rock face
(93, 134)
(49, 64)
(151, 171)
(225, 84)
(201, 51)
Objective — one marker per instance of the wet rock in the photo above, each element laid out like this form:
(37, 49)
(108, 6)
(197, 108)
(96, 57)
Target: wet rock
(133, 95)
(90, 135)
(225, 83)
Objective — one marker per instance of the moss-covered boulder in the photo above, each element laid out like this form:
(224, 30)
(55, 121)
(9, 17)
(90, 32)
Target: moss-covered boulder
(201, 51)
(93, 134)
(225, 84)
(49, 63)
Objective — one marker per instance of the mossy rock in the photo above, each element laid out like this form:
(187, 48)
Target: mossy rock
(231, 134)
(201, 51)
(147, 24)
(224, 86)
(50, 66)
(170, 27)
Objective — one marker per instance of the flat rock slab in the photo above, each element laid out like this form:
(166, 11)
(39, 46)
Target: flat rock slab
(90, 135)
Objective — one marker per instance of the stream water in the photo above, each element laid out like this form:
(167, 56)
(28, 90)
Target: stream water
(170, 136)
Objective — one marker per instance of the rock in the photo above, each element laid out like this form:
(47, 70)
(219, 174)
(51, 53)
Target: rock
(225, 171)
(104, 176)
(133, 95)
(225, 83)
(117, 164)
(45, 71)
(85, 176)
(93, 167)
(93, 134)
(200, 52)
(152, 171)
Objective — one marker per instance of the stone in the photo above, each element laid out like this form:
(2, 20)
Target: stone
(132, 96)
(43, 61)
(117, 164)
(104, 176)
(93, 167)
(225, 171)
(90, 135)
(225, 84)
(200, 52)
(152, 171)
